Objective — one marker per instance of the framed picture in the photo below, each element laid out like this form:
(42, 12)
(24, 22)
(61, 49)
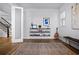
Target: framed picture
(75, 16)
(46, 21)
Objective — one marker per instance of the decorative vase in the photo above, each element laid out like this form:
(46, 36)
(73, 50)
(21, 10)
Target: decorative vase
(56, 35)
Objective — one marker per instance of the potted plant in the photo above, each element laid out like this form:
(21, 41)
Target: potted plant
(39, 26)
(40, 30)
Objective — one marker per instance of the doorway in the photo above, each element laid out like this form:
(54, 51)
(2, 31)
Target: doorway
(17, 24)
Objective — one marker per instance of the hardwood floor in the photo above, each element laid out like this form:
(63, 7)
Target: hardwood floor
(6, 47)
(42, 47)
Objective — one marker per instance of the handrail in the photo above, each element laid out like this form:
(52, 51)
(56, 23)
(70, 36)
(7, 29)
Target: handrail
(6, 26)
(5, 20)
(3, 24)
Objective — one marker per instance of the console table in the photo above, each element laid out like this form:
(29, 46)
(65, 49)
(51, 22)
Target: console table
(44, 32)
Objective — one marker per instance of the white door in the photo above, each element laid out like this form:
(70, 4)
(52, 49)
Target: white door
(17, 24)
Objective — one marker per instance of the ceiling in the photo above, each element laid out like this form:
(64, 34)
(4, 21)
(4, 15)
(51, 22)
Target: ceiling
(6, 7)
(40, 5)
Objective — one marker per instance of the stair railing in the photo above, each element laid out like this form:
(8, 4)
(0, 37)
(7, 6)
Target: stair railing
(7, 26)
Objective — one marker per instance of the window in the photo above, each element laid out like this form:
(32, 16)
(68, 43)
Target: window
(62, 18)
(75, 16)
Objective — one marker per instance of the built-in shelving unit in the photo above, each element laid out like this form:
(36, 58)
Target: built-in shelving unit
(44, 32)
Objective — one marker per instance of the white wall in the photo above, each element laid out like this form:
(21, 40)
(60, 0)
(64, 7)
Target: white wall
(2, 33)
(5, 12)
(36, 16)
(67, 29)
(5, 8)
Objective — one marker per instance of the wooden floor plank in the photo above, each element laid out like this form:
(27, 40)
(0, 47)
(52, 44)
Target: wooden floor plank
(49, 47)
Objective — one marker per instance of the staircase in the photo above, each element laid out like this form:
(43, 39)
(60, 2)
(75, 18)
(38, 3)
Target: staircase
(5, 26)
(5, 39)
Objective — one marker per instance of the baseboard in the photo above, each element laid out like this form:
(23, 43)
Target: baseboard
(17, 40)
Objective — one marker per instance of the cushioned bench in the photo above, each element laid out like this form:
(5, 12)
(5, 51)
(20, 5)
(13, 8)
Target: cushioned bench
(70, 38)
(73, 42)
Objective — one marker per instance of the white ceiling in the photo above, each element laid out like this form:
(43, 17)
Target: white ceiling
(40, 5)
(6, 7)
